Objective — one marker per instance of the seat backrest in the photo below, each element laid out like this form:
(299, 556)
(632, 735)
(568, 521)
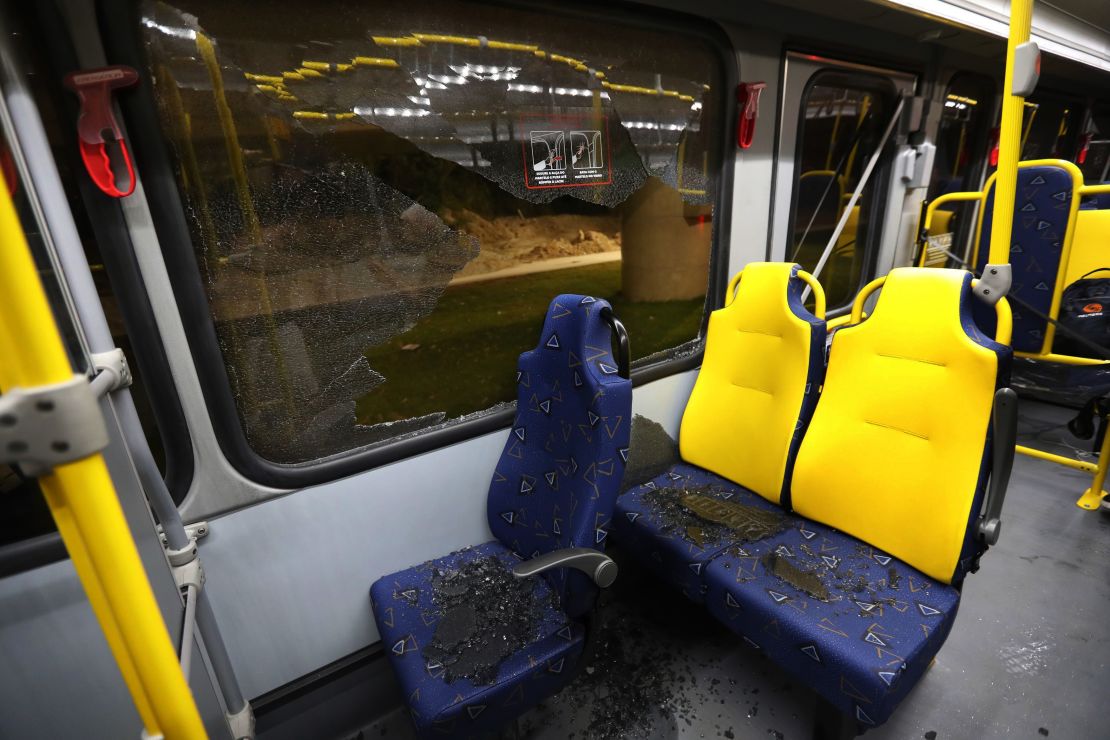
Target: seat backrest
(1043, 213)
(557, 480)
(1090, 246)
(758, 383)
(897, 452)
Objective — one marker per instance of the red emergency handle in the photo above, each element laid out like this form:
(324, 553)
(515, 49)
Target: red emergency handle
(98, 134)
(747, 99)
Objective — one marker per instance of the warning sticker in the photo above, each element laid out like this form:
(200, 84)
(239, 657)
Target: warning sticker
(567, 151)
(938, 249)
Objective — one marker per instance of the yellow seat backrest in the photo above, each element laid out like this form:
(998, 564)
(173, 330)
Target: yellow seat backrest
(764, 358)
(1090, 247)
(895, 453)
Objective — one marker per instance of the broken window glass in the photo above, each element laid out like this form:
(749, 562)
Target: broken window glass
(385, 196)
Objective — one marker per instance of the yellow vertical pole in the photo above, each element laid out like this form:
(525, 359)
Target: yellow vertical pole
(83, 502)
(1009, 152)
(1092, 497)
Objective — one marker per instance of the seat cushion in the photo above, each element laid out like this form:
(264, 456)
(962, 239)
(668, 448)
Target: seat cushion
(857, 625)
(676, 522)
(471, 645)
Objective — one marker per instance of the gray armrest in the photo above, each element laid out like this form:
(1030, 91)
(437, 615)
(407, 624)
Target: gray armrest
(597, 565)
(1005, 437)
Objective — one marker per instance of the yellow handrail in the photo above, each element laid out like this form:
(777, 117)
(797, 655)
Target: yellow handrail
(808, 279)
(83, 502)
(932, 208)
(1004, 326)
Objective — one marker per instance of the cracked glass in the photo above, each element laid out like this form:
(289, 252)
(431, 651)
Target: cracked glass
(383, 198)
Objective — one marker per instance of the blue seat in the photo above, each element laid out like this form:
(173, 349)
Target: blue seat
(474, 644)
(859, 626)
(754, 396)
(654, 524)
(1042, 212)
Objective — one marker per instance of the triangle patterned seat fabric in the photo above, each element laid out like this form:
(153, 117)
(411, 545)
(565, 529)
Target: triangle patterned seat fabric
(851, 621)
(444, 698)
(561, 469)
(1042, 210)
(473, 646)
(670, 538)
(854, 623)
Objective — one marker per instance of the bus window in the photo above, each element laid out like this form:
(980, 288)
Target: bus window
(383, 199)
(842, 122)
(1095, 160)
(1050, 128)
(961, 140)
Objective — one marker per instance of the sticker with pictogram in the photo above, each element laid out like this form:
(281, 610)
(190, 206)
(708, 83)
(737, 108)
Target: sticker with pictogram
(566, 151)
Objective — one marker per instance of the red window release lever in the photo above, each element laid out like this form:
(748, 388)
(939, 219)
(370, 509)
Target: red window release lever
(103, 148)
(747, 96)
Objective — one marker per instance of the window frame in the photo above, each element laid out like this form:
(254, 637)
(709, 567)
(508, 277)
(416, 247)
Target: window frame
(878, 84)
(123, 45)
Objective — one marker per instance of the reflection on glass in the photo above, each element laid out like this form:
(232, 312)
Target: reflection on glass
(840, 129)
(961, 146)
(1095, 163)
(1049, 129)
(384, 199)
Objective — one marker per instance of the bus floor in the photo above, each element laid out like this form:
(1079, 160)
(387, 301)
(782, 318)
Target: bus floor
(1027, 658)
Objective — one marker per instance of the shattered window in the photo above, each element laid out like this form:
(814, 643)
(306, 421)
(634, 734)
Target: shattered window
(385, 196)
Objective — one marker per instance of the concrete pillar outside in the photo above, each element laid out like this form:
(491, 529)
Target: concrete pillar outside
(664, 245)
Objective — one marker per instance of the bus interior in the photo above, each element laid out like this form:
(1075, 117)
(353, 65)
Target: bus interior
(500, 369)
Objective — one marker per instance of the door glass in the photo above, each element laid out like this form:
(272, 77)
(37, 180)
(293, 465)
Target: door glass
(1096, 162)
(841, 124)
(961, 141)
(1049, 128)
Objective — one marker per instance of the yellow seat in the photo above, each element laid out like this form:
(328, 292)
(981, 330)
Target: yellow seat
(759, 380)
(896, 453)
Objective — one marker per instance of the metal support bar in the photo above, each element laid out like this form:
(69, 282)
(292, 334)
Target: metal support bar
(43, 186)
(220, 661)
(1067, 462)
(188, 625)
(1009, 140)
(83, 501)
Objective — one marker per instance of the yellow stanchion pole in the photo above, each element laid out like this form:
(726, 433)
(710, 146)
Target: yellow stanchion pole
(1009, 142)
(83, 502)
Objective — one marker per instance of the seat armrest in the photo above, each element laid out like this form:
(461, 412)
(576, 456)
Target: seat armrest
(1005, 437)
(597, 565)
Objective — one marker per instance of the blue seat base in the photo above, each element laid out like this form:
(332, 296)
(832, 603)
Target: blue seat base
(855, 624)
(445, 630)
(653, 525)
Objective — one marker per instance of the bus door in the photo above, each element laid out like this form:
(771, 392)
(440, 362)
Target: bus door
(835, 117)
